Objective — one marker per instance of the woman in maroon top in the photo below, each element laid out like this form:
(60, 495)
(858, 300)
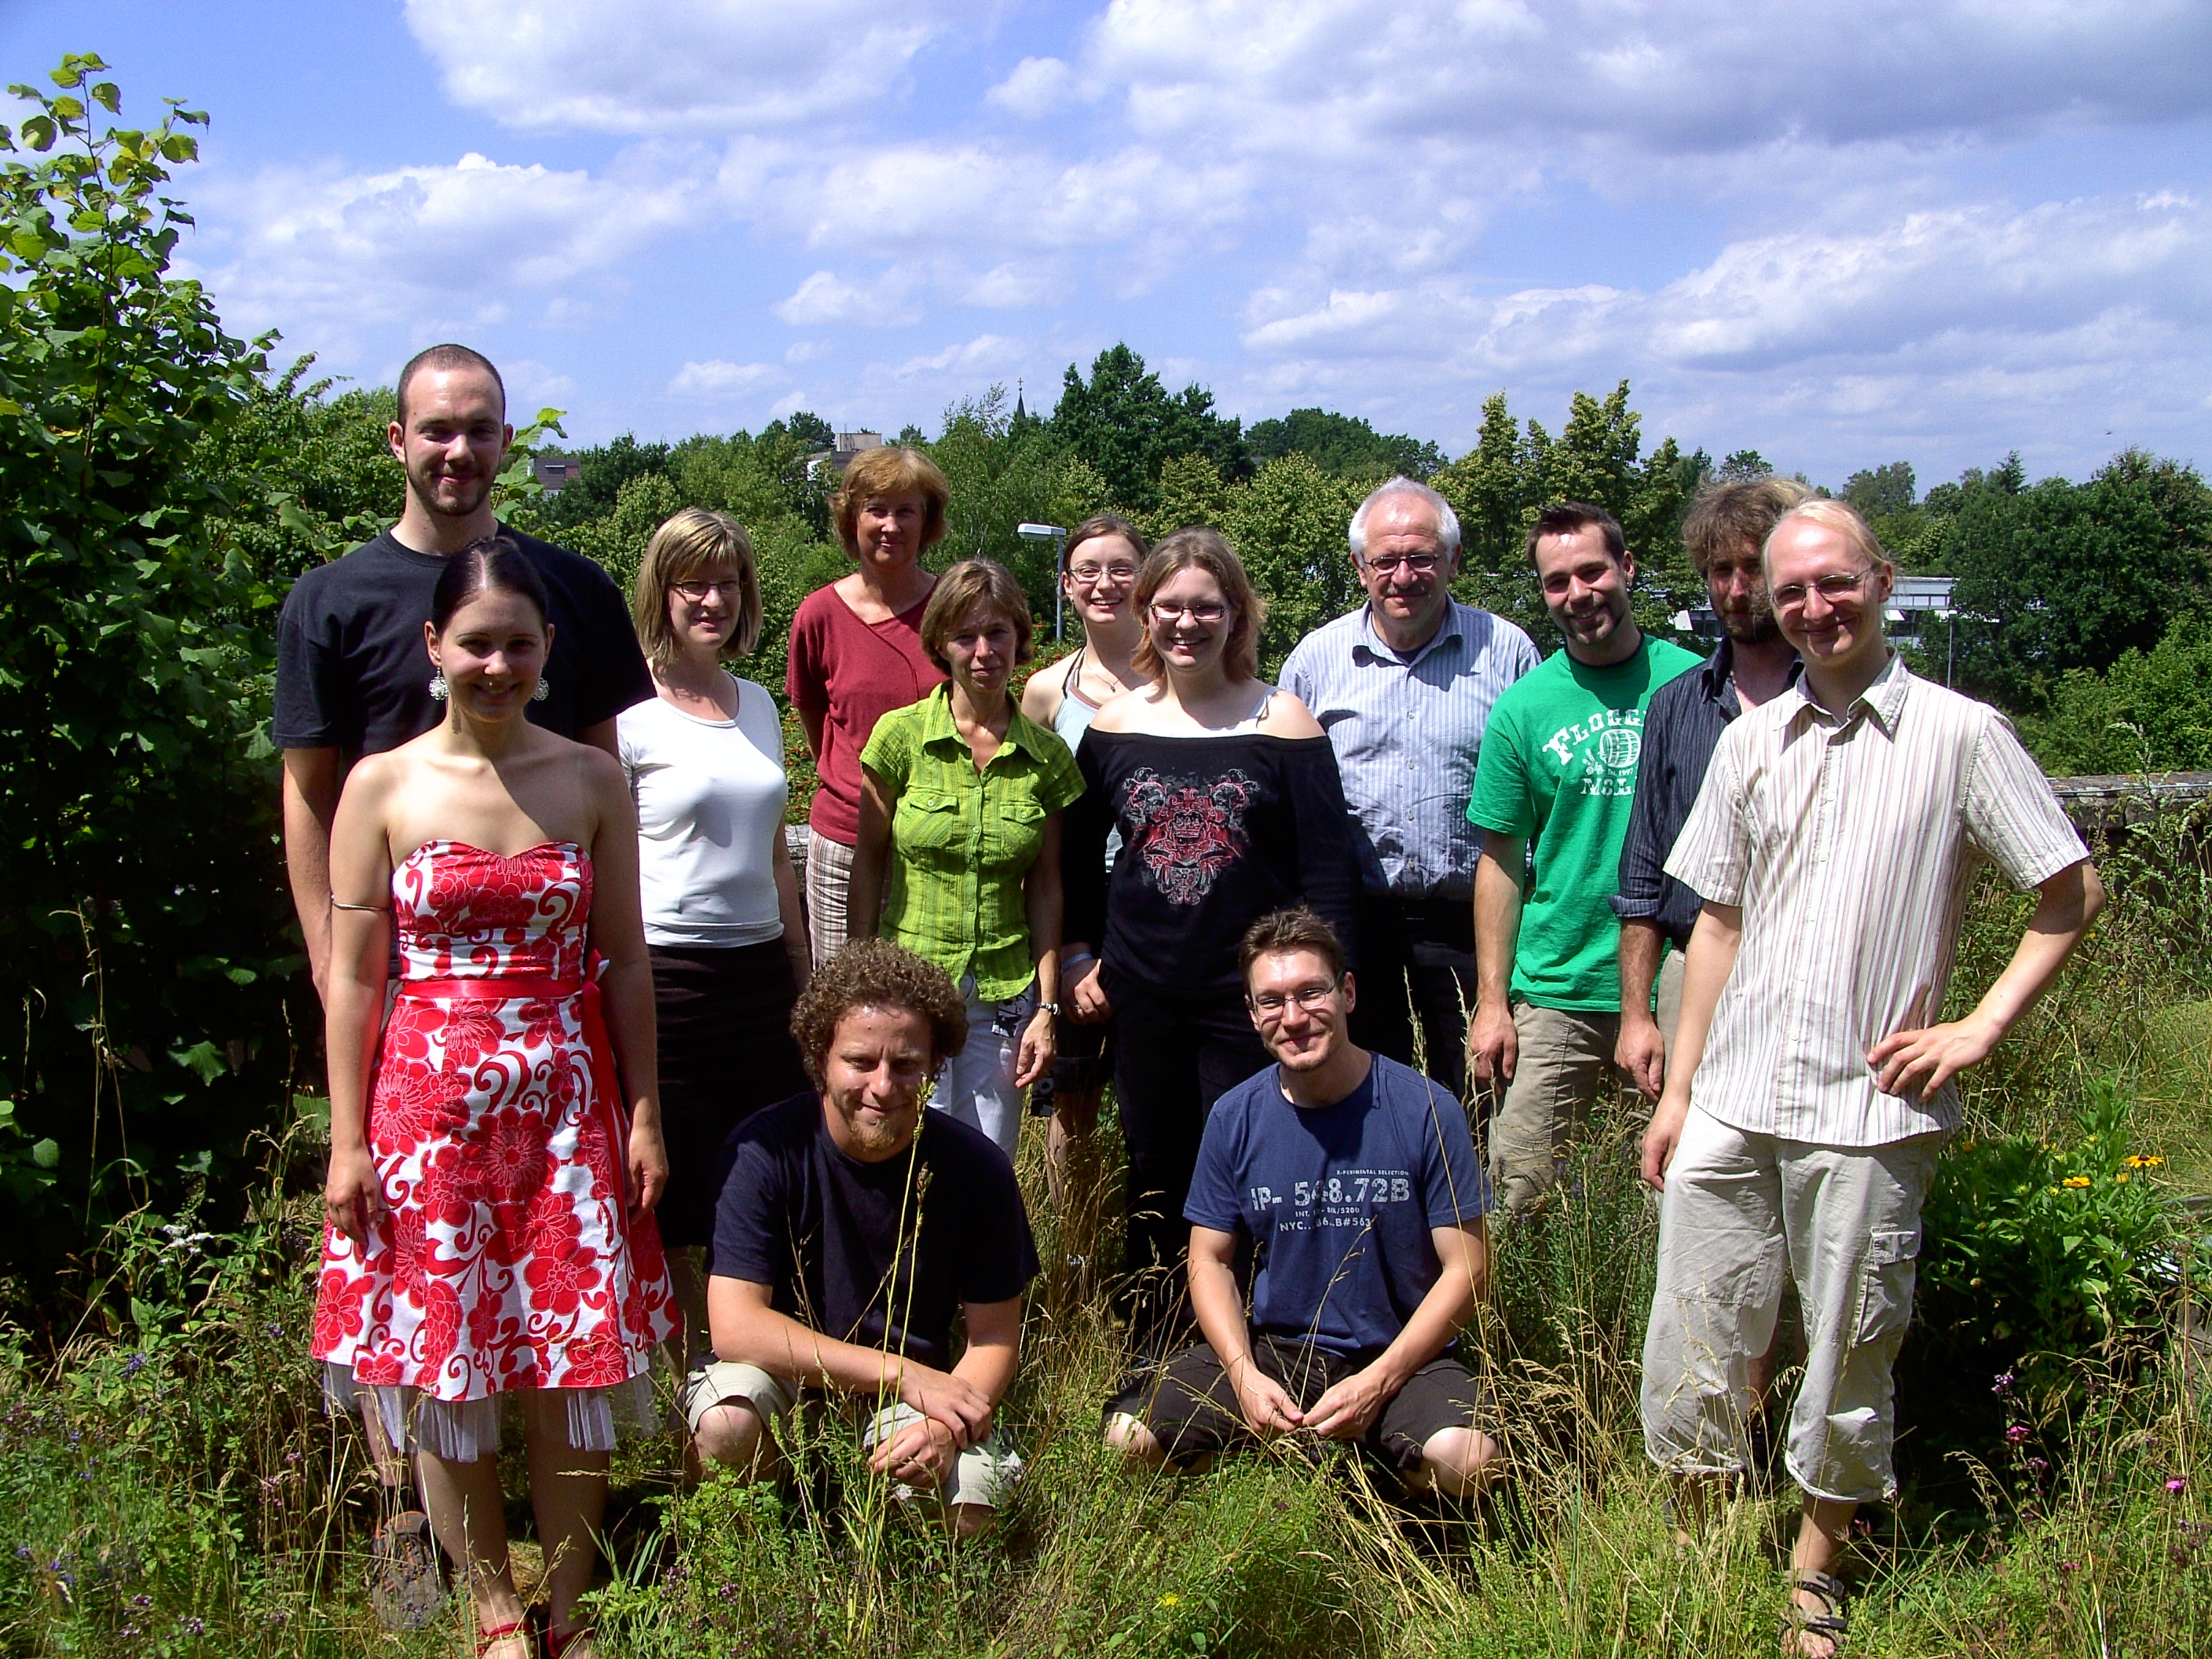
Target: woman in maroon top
(856, 654)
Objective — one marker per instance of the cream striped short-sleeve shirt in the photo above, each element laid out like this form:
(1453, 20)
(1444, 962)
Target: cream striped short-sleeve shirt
(1850, 845)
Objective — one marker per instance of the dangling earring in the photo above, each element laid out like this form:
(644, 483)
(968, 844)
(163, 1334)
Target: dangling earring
(438, 688)
(544, 690)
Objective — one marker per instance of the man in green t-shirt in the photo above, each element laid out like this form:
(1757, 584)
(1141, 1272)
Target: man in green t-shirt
(1559, 766)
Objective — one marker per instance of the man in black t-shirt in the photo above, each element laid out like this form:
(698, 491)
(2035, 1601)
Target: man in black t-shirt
(853, 1227)
(353, 675)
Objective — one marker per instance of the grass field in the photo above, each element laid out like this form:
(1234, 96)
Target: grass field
(168, 1484)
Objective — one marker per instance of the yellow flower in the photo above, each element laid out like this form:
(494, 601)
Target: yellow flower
(2075, 1180)
(1170, 1600)
(2139, 1163)
(2121, 1179)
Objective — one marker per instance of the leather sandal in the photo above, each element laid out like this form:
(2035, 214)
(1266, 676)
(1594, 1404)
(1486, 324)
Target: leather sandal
(515, 1628)
(1832, 1624)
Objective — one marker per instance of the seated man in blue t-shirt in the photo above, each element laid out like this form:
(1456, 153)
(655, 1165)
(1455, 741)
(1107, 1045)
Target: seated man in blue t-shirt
(854, 1228)
(1355, 1179)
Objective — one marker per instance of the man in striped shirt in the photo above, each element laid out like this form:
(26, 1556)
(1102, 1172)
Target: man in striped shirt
(1404, 686)
(1834, 843)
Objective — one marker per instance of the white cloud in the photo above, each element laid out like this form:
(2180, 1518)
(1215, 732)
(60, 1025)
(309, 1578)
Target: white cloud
(826, 297)
(988, 355)
(716, 381)
(1330, 75)
(715, 66)
(1924, 325)
(532, 385)
(331, 253)
(1037, 87)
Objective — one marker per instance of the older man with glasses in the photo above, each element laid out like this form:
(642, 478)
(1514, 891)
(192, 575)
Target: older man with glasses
(1404, 687)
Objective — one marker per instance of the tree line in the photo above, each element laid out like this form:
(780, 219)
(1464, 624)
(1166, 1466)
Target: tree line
(163, 481)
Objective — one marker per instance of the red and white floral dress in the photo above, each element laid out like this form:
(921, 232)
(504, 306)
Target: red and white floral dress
(505, 1256)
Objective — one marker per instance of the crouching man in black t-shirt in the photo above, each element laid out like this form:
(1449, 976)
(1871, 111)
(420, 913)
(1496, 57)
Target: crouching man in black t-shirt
(1355, 1179)
(851, 1229)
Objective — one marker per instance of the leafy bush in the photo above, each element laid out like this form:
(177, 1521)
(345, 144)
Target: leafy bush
(146, 925)
(2037, 1252)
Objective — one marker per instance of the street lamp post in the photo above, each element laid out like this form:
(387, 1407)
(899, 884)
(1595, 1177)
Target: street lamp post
(1058, 538)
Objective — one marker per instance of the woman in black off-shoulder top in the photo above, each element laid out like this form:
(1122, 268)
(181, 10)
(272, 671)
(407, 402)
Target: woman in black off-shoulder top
(1226, 794)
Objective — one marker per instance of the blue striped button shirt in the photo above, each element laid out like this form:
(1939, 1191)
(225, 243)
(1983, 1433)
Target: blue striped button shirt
(1406, 730)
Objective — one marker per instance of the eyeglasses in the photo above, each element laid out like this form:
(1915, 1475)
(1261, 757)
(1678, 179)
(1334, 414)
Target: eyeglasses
(1269, 1005)
(696, 592)
(1388, 564)
(1090, 575)
(1204, 615)
(1832, 589)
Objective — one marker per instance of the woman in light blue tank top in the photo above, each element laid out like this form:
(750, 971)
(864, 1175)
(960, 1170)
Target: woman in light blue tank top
(1098, 574)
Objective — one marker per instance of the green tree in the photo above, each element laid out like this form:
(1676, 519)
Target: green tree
(602, 470)
(1288, 526)
(1499, 487)
(144, 910)
(1125, 425)
(1343, 446)
(2151, 711)
(2057, 576)
(1882, 492)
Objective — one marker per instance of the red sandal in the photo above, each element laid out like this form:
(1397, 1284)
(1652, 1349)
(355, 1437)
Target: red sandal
(558, 1643)
(485, 1639)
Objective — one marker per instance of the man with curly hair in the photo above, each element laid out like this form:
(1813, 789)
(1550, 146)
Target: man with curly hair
(849, 1232)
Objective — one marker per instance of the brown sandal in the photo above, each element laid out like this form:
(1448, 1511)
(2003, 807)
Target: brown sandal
(1832, 1624)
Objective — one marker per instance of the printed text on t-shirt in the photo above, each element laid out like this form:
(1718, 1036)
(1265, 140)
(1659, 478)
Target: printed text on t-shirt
(1343, 1199)
(1599, 752)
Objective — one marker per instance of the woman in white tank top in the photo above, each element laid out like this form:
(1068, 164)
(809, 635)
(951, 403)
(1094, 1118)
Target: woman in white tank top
(1098, 574)
(722, 921)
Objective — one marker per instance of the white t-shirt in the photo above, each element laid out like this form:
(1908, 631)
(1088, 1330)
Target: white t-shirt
(710, 798)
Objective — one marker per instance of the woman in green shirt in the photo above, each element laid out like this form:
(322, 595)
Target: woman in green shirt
(958, 854)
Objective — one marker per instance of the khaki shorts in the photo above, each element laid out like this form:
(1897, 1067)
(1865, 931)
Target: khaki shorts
(1740, 1212)
(1564, 1056)
(982, 1475)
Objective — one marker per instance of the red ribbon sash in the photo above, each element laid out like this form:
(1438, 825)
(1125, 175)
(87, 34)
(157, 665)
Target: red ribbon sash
(607, 1079)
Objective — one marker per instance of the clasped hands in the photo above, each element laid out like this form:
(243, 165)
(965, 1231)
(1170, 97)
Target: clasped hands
(1346, 1411)
(955, 1415)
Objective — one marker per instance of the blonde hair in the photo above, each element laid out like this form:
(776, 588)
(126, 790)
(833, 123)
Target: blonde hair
(968, 587)
(1830, 514)
(686, 546)
(890, 469)
(1207, 549)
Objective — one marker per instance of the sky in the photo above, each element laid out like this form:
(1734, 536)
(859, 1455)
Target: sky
(1838, 234)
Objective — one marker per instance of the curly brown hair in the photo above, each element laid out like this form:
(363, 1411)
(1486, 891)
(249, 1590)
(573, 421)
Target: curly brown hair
(1728, 515)
(874, 973)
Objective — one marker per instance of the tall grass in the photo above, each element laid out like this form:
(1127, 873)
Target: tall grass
(168, 1484)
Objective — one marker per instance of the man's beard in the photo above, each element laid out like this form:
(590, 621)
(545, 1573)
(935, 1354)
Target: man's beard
(1758, 627)
(471, 495)
(883, 1135)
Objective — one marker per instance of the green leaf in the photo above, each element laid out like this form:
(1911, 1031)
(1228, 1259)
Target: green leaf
(39, 133)
(180, 147)
(108, 96)
(46, 1154)
(204, 1059)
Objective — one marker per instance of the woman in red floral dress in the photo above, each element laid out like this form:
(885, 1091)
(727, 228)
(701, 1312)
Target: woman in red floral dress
(496, 1143)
